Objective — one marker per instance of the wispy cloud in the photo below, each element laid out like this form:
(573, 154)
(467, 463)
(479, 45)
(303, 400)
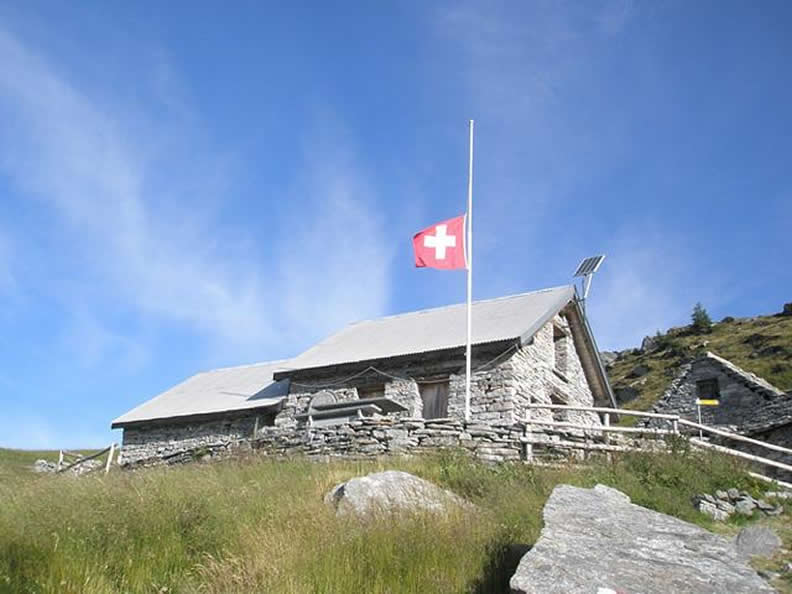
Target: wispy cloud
(334, 253)
(139, 198)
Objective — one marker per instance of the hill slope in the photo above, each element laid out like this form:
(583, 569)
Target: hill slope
(761, 345)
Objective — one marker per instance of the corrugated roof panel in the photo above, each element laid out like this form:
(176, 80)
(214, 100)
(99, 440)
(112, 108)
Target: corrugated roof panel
(216, 391)
(516, 316)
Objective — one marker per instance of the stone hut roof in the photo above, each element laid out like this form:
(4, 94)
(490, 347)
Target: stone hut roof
(516, 317)
(264, 385)
(212, 392)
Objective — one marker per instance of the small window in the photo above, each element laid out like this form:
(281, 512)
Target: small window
(708, 389)
(435, 399)
(375, 391)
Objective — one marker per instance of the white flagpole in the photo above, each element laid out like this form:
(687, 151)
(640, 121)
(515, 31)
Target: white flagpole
(469, 277)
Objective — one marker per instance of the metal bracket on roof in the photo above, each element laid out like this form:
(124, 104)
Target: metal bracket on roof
(586, 269)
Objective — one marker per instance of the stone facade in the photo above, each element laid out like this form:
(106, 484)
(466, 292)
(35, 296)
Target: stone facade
(506, 378)
(165, 440)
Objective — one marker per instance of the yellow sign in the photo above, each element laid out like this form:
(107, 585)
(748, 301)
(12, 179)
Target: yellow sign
(708, 402)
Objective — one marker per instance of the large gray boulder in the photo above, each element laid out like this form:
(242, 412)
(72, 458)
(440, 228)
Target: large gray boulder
(595, 540)
(391, 491)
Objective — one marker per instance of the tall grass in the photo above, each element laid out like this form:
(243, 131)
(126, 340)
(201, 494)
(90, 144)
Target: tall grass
(259, 524)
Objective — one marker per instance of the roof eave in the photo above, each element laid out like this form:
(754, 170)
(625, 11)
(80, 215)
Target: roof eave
(119, 423)
(588, 336)
(285, 374)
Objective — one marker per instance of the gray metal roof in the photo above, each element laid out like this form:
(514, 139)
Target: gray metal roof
(494, 320)
(216, 391)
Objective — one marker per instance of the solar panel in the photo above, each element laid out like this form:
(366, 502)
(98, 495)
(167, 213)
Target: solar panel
(589, 265)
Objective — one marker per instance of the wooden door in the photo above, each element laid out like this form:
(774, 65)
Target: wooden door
(435, 399)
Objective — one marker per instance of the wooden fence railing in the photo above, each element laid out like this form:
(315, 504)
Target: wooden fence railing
(676, 423)
(68, 460)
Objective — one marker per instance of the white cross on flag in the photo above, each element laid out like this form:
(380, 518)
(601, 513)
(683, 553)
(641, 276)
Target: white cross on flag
(441, 245)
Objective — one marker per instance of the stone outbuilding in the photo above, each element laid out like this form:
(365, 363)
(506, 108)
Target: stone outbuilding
(406, 369)
(747, 404)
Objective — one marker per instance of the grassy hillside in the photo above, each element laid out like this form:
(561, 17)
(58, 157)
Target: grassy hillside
(259, 524)
(761, 345)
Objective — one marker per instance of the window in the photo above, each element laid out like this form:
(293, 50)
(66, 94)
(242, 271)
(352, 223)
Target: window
(560, 349)
(708, 389)
(435, 399)
(373, 391)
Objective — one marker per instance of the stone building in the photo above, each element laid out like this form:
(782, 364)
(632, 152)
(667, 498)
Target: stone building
(745, 399)
(390, 384)
(748, 404)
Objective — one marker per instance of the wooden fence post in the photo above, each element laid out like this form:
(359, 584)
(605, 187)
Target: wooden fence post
(110, 458)
(527, 434)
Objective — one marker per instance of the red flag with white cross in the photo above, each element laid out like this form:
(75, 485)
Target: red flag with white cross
(441, 245)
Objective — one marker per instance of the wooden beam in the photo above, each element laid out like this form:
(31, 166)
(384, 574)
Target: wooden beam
(735, 436)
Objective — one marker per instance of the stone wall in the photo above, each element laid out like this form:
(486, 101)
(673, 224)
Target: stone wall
(491, 388)
(163, 440)
(366, 438)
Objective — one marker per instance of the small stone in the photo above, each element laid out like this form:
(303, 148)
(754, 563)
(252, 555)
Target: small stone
(776, 511)
(733, 493)
(722, 495)
(725, 506)
(745, 507)
(764, 506)
(712, 511)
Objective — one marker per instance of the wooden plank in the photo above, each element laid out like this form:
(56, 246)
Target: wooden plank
(767, 479)
(603, 428)
(580, 446)
(600, 409)
(739, 454)
(110, 458)
(735, 436)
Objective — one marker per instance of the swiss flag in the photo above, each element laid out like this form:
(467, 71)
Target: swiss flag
(441, 245)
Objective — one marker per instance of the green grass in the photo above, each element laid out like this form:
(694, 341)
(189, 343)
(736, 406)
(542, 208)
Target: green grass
(761, 345)
(258, 524)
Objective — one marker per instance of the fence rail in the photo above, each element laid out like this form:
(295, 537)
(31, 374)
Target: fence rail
(78, 459)
(674, 420)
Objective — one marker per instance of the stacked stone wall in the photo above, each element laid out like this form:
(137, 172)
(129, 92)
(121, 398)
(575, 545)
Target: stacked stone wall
(368, 438)
(163, 440)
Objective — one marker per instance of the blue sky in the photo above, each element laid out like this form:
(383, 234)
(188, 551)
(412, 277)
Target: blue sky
(186, 186)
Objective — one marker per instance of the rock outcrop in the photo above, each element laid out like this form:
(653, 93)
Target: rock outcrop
(391, 491)
(596, 540)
